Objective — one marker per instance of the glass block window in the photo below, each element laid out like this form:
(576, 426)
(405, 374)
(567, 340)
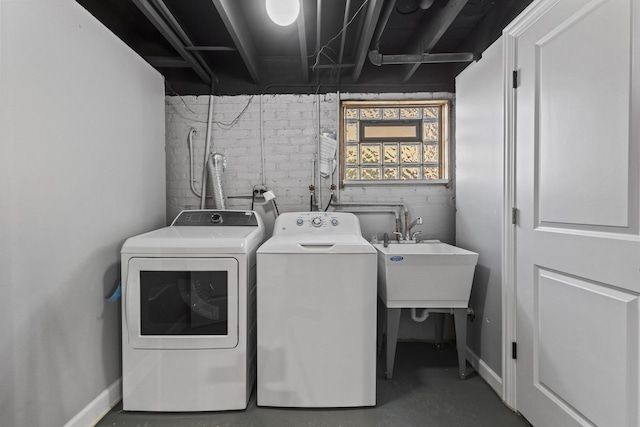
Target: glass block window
(394, 141)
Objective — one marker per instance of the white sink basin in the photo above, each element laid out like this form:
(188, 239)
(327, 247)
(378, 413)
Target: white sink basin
(425, 275)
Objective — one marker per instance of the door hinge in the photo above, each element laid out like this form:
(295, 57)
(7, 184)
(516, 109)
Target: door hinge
(515, 79)
(514, 350)
(514, 216)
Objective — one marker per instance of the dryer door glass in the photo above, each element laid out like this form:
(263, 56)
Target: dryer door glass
(183, 303)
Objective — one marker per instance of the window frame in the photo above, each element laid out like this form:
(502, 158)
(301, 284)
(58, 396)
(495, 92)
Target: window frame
(444, 159)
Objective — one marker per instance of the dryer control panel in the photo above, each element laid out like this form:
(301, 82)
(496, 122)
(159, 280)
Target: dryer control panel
(317, 222)
(210, 217)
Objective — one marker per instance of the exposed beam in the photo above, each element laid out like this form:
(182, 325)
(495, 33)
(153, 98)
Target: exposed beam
(430, 29)
(212, 48)
(177, 29)
(154, 17)
(302, 38)
(231, 13)
(167, 61)
(370, 22)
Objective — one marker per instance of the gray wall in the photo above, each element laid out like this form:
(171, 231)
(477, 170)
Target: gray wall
(81, 169)
(479, 172)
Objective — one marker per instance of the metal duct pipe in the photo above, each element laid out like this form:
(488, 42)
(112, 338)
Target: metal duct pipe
(216, 164)
(382, 23)
(379, 59)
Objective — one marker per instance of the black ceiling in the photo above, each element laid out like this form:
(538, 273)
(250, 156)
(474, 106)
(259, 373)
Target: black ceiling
(233, 47)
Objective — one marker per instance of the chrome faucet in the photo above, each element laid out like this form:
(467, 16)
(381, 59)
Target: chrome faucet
(417, 221)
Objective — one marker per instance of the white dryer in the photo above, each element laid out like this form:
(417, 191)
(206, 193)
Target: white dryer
(317, 313)
(188, 318)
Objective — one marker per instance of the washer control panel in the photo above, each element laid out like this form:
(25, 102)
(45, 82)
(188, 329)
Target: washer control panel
(321, 222)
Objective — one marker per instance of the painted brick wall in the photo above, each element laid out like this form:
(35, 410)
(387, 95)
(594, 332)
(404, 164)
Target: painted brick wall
(289, 130)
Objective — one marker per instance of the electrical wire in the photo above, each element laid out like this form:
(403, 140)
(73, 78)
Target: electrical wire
(326, 45)
(221, 125)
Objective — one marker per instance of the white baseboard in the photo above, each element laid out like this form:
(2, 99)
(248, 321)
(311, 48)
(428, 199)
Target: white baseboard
(94, 411)
(485, 372)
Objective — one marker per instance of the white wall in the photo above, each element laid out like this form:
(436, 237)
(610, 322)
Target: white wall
(81, 169)
(289, 129)
(479, 173)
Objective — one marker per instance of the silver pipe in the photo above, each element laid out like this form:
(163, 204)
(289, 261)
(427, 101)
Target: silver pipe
(382, 22)
(262, 141)
(345, 20)
(379, 59)
(207, 148)
(319, 178)
(217, 163)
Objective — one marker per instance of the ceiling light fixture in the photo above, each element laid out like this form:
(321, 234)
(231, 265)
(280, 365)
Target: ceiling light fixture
(283, 12)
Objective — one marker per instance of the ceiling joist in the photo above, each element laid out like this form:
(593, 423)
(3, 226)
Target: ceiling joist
(231, 15)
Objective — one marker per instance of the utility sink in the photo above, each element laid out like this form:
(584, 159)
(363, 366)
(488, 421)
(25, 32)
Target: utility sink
(429, 275)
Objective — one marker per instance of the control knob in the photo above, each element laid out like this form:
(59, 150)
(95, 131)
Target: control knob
(316, 222)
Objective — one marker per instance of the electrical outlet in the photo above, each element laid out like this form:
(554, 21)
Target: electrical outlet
(259, 189)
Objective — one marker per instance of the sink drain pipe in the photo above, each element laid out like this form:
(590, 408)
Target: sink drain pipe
(422, 317)
(426, 311)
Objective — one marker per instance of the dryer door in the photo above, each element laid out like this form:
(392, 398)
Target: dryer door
(182, 303)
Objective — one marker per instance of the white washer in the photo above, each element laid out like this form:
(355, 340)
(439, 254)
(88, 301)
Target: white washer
(188, 318)
(317, 313)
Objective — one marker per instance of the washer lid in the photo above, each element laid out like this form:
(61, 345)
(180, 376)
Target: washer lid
(313, 243)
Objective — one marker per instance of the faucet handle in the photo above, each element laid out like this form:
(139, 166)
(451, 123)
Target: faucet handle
(399, 234)
(414, 234)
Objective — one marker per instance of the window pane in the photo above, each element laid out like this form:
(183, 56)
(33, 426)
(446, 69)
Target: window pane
(368, 172)
(400, 131)
(351, 113)
(430, 154)
(394, 140)
(351, 173)
(431, 172)
(370, 153)
(370, 113)
(431, 131)
(431, 112)
(390, 173)
(409, 153)
(351, 154)
(390, 153)
(390, 113)
(410, 173)
(351, 132)
(411, 113)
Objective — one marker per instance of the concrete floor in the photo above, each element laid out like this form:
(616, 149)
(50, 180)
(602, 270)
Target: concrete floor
(425, 391)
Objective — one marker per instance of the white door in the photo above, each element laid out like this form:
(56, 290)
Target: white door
(577, 243)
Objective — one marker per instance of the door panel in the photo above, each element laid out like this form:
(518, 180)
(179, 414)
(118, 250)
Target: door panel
(580, 325)
(566, 76)
(577, 249)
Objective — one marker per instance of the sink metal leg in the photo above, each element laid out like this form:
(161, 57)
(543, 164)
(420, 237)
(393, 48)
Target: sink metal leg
(393, 324)
(460, 319)
(438, 325)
